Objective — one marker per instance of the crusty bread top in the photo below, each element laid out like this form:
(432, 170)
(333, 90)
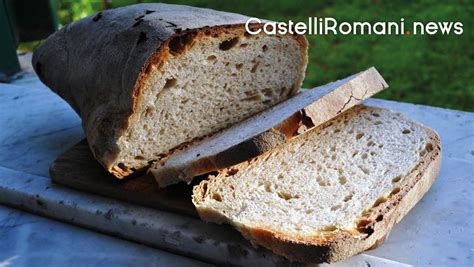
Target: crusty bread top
(325, 190)
(100, 63)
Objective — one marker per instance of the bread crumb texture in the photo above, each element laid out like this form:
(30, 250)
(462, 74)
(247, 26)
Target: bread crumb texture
(322, 181)
(210, 81)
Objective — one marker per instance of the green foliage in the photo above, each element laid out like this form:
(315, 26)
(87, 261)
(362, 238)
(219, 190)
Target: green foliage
(70, 10)
(433, 70)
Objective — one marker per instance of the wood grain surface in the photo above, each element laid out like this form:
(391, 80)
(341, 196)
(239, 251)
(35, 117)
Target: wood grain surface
(78, 169)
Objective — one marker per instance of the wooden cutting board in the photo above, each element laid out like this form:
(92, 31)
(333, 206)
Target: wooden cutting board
(78, 169)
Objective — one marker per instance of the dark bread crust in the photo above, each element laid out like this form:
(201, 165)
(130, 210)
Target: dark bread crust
(99, 64)
(373, 225)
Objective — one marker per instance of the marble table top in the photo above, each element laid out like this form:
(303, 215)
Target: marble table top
(36, 126)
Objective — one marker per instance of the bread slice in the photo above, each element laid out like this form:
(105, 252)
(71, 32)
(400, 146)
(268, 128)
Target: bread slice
(252, 137)
(330, 193)
(149, 78)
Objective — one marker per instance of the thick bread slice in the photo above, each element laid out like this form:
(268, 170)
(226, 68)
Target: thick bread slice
(150, 78)
(330, 193)
(251, 137)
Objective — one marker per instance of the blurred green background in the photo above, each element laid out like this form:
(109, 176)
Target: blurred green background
(433, 70)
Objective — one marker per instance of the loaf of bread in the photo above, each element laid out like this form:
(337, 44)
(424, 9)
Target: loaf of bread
(149, 79)
(331, 192)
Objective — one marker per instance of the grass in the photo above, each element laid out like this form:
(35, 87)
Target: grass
(433, 70)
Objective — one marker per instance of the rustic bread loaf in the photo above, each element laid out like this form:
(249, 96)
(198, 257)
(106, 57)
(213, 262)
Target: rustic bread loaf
(331, 192)
(251, 137)
(147, 79)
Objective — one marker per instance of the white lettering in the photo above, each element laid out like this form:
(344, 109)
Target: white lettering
(247, 24)
(270, 28)
(458, 28)
(346, 25)
(328, 27)
(417, 25)
(445, 27)
(380, 25)
(300, 28)
(431, 28)
(363, 26)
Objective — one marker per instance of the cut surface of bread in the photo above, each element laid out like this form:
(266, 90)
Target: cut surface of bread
(149, 78)
(251, 137)
(331, 192)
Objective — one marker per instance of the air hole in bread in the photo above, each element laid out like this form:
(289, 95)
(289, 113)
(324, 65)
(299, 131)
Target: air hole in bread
(375, 114)
(232, 171)
(364, 156)
(342, 180)
(217, 197)
(254, 68)
(396, 179)
(337, 130)
(429, 147)
(149, 111)
(179, 44)
(211, 58)
(280, 176)
(406, 131)
(228, 44)
(379, 218)
(256, 97)
(170, 83)
(244, 45)
(364, 226)
(370, 143)
(336, 207)
(284, 195)
(264, 48)
(333, 157)
(268, 92)
(238, 66)
(359, 136)
(322, 182)
(347, 198)
(268, 188)
(378, 123)
(364, 169)
(379, 201)
(355, 153)
(395, 191)
(329, 228)
(139, 158)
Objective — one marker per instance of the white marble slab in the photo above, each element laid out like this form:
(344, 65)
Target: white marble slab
(36, 126)
(30, 240)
